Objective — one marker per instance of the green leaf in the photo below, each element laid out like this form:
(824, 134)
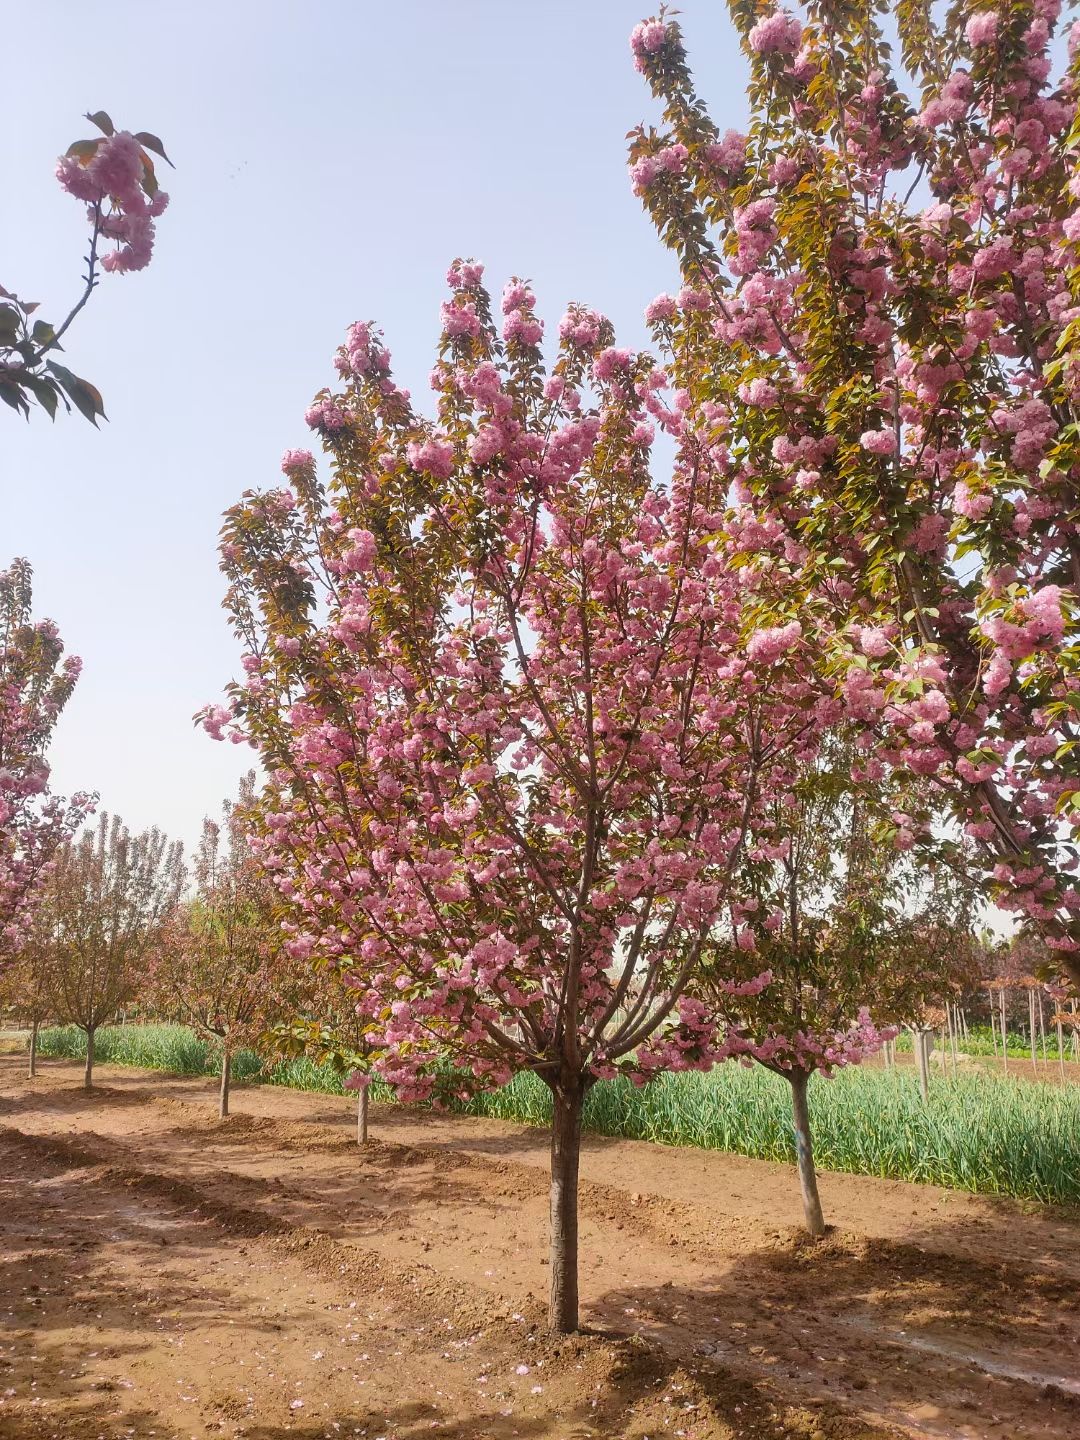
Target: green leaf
(151, 142)
(43, 333)
(10, 321)
(101, 119)
(85, 397)
(45, 392)
(83, 150)
(12, 395)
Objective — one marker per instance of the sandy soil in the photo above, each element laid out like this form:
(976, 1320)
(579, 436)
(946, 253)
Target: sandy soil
(168, 1275)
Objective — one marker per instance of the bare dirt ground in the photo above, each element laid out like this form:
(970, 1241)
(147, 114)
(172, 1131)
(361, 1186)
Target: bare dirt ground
(168, 1275)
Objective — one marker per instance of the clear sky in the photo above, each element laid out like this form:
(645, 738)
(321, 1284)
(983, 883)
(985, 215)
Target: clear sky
(332, 158)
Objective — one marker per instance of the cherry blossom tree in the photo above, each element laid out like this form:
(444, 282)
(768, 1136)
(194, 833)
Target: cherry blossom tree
(517, 712)
(114, 176)
(36, 682)
(216, 964)
(879, 314)
(852, 938)
(107, 898)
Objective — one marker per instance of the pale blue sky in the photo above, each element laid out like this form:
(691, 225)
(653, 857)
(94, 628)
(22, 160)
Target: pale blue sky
(332, 159)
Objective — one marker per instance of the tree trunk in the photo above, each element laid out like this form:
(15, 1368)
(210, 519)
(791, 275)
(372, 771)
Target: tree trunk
(226, 1076)
(1031, 1035)
(362, 1115)
(922, 1052)
(565, 1157)
(804, 1154)
(88, 1075)
(33, 1050)
(1004, 1035)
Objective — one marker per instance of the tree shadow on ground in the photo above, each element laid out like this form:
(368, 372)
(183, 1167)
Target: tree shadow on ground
(49, 1099)
(924, 1327)
(644, 1392)
(372, 1187)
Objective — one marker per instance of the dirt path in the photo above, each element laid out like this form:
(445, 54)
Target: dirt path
(169, 1275)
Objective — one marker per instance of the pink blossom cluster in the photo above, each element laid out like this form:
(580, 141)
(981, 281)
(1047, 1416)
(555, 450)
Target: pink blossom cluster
(114, 182)
(649, 39)
(296, 460)
(669, 160)
(808, 1051)
(764, 647)
(521, 323)
(326, 415)
(778, 33)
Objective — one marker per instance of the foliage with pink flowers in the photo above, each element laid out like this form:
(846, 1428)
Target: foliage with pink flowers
(114, 176)
(877, 331)
(36, 681)
(518, 719)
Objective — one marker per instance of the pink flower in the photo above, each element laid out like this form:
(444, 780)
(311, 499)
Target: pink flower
(434, 456)
(648, 37)
(117, 169)
(662, 308)
(460, 319)
(974, 506)
(610, 363)
(874, 642)
(776, 34)
(325, 415)
(759, 391)
(879, 442)
(580, 326)
(296, 460)
(464, 275)
(765, 646)
(982, 29)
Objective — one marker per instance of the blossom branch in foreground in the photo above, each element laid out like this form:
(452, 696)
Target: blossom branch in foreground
(115, 177)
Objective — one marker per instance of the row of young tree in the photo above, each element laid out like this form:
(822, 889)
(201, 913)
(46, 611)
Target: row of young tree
(576, 768)
(120, 925)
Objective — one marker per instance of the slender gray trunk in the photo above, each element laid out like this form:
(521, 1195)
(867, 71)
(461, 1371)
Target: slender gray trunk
(1004, 1035)
(362, 1115)
(922, 1051)
(226, 1076)
(1061, 1050)
(565, 1160)
(1031, 1034)
(88, 1075)
(804, 1154)
(33, 1049)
